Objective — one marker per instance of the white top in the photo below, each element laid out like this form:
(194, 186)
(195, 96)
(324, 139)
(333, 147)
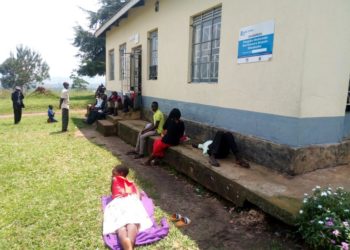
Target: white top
(205, 146)
(65, 96)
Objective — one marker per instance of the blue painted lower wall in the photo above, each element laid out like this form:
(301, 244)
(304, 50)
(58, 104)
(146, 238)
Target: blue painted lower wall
(347, 126)
(295, 132)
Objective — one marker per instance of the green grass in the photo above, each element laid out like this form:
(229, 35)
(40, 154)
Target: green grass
(50, 188)
(38, 102)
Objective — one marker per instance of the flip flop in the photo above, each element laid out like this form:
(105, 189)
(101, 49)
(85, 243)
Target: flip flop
(175, 217)
(184, 221)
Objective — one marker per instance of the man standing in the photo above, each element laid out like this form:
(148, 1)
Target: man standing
(17, 102)
(64, 105)
(155, 128)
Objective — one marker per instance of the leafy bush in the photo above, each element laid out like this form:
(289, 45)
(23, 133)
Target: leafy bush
(324, 219)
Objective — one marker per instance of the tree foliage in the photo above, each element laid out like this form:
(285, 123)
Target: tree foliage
(92, 52)
(78, 82)
(25, 69)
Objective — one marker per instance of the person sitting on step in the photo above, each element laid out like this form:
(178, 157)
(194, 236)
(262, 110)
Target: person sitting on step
(173, 131)
(155, 128)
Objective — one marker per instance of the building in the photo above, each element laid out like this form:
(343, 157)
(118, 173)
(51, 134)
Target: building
(275, 72)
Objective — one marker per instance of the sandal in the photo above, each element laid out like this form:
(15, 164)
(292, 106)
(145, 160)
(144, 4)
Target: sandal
(175, 217)
(184, 221)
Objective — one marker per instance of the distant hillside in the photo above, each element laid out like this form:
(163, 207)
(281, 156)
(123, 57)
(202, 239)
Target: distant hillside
(56, 82)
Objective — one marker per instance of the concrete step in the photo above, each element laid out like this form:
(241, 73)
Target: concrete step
(131, 115)
(106, 128)
(114, 119)
(278, 195)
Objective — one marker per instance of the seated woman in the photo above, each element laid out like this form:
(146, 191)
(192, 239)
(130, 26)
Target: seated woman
(173, 130)
(99, 111)
(125, 214)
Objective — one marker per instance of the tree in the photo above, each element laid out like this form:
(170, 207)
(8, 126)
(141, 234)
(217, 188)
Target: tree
(78, 82)
(92, 52)
(26, 69)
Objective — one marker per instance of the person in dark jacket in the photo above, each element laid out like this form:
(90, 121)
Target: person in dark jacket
(17, 102)
(99, 111)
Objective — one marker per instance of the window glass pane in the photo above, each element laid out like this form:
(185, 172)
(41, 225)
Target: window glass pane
(216, 28)
(205, 52)
(195, 72)
(197, 34)
(204, 74)
(196, 53)
(206, 33)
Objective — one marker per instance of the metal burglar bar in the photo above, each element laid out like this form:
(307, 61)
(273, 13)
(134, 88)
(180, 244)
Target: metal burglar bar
(206, 45)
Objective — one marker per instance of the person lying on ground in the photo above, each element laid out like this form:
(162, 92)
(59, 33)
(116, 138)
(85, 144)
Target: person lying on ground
(155, 128)
(125, 215)
(173, 130)
(220, 147)
(51, 114)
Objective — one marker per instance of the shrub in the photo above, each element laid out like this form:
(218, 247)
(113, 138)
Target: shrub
(324, 219)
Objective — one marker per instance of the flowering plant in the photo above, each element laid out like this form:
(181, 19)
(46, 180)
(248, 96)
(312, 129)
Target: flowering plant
(324, 219)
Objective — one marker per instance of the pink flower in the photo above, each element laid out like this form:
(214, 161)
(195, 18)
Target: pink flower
(344, 246)
(336, 233)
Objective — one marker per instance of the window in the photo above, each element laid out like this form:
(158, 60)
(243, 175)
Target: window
(153, 47)
(122, 62)
(206, 45)
(111, 64)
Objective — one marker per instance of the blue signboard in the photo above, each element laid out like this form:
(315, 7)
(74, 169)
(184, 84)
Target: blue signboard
(256, 42)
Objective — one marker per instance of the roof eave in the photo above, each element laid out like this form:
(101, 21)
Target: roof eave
(100, 31)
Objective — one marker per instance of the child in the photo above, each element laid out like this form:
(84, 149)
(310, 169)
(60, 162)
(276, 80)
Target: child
(125, 214)
(51, 114)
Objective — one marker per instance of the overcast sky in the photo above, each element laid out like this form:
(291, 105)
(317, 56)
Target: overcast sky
(45, 26)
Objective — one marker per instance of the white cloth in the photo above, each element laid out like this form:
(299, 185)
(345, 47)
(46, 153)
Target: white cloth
(125, 210)
(205, 146)
(99, 102)
(65, 96)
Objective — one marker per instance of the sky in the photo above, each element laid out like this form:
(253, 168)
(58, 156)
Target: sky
(45, 26)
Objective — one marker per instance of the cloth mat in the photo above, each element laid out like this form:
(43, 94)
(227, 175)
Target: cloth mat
(151, 235)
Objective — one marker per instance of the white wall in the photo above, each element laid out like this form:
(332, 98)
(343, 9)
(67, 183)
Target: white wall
(306, 77)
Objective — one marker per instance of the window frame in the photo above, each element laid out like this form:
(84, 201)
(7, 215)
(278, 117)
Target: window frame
(214, 16)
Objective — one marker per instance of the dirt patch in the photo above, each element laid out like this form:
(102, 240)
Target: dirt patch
(216, 223)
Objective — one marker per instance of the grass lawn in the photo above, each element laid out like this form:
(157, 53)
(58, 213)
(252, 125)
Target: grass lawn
(38, 102)
(51, 184)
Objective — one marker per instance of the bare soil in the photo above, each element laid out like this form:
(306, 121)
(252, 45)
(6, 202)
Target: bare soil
(216, 223)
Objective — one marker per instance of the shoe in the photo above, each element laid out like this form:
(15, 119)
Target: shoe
(132, 152)
(139, 156)
(184, 221)
(213, 162)
(175, 217)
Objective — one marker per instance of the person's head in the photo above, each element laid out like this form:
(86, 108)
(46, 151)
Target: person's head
(154, 106)
(50, 107)
(66, 85)
(120, 171)
(18, 88)
(174, 114)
